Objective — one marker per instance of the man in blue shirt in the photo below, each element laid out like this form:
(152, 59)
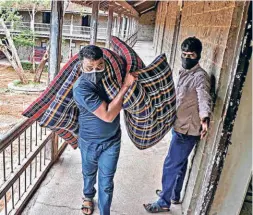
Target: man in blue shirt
(99, 129)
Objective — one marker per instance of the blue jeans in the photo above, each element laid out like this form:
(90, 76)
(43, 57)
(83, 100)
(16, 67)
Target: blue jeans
(179, 183)
(101, 158)
(175, 166)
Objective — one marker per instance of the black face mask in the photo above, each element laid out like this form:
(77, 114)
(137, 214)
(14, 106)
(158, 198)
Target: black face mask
(188, 63)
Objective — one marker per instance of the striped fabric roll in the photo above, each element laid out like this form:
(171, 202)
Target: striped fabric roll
(149, 105)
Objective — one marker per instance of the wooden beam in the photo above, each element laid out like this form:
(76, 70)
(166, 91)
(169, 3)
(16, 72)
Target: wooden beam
(139, 3)
(94, 22)
(125, 5)
(147, 10)
(55, 38)
(109, 26)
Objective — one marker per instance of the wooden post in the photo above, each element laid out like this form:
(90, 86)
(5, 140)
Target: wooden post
(71, 25)
(123, 27)
(118, 24)
(134, 25)
(55, 38)
(127, 29)
(94, 22)
(115, 26)
(130, 26)
(55, 55)
(70, 41)
(109, 26)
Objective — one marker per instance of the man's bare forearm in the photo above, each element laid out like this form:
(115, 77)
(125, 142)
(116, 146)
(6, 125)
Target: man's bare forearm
(115, 105)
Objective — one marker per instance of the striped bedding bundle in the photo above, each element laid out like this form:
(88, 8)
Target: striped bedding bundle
(149, 105)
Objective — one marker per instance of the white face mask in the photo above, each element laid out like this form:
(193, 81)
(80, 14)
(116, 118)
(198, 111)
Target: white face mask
(94, 71)
(94, 76)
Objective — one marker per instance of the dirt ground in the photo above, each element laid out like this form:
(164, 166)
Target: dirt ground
(12, 104)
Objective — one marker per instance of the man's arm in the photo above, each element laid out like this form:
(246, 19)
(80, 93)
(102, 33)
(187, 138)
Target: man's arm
(204, 102)
(108, 112)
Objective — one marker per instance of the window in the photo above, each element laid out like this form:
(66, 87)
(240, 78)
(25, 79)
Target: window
(46, 17)
(43, 44)
(86, 20)
(73, 45)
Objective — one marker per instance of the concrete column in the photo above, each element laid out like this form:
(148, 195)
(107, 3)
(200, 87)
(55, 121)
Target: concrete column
(55, 38)
(94, 22)
(109, 26)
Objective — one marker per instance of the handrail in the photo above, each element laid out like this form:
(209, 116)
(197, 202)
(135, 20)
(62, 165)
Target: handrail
(14, 133)
(36, 152)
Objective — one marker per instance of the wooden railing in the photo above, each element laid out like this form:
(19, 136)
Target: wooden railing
(132, 39)
(68, 31)
(27, 153)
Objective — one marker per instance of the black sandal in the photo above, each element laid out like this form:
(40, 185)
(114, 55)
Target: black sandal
(90, 206)
(155, 208)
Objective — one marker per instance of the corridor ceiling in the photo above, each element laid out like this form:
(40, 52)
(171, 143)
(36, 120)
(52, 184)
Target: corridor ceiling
(130, 8)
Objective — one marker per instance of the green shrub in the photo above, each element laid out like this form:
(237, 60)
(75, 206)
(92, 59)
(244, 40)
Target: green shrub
(29, 66)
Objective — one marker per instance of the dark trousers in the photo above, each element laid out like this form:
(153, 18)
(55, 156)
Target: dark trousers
(175, 166)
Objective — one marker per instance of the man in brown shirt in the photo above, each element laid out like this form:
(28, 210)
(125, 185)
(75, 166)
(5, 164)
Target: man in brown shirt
(191, 124)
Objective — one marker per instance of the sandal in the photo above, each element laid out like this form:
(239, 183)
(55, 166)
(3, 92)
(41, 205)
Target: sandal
(155, 208)
(87, 206)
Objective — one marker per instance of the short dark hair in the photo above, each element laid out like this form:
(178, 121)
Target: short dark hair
(192, 44)
(90, 52)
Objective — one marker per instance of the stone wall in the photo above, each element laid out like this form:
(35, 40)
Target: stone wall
(218, 25)
(147, 26)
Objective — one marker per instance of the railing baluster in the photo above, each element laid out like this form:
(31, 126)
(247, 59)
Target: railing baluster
(31, 139)
(12, 197)
(18, 150)
(40, 133)
(4, 165)
(5, 205)
(31, 173)
(19, 188)
(45, 131)
(36, 160)
(11, 157)
(40, 160)
(25, 143)
(36, 132)
(25, 180)
(44, 155)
